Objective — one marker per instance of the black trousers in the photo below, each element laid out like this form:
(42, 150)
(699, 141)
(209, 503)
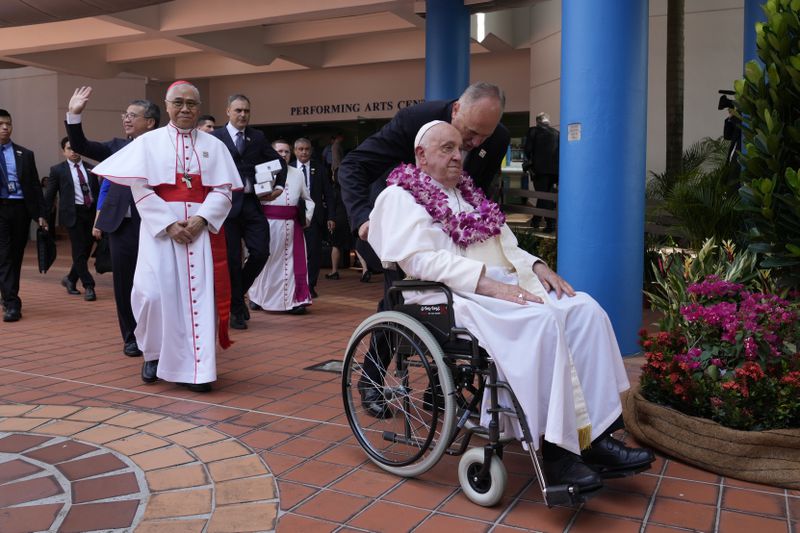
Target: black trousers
(252, 226)
(81, 240)
(14, 229)
(380, 353)
(124, 244)
(545, 183)
(313, 235)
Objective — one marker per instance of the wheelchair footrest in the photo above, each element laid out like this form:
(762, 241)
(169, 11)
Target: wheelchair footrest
(566, 495)
(614, 474)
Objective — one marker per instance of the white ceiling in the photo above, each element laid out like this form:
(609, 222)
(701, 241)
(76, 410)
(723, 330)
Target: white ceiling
(208, 38)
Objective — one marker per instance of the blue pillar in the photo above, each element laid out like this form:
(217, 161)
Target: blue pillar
(752, 14)
(603, 153)
(447, 42)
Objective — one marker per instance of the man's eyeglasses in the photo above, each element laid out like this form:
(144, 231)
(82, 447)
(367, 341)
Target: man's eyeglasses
(178, 104)
(131, 116)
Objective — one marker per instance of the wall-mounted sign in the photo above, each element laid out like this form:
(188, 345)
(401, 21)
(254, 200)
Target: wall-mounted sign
(354, 107)
(574, 131)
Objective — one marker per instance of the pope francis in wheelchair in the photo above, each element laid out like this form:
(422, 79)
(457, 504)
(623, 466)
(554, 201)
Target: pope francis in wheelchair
(492, 342)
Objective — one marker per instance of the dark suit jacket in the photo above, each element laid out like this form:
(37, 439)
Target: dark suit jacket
(60, 182)
(541, 149)
(28, 178)
(321, 192)
(118, 198)
(394, 144)
(256, 151)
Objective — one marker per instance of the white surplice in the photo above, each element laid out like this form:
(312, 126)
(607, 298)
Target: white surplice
(531, 344)
(173, 287)
(274, 288)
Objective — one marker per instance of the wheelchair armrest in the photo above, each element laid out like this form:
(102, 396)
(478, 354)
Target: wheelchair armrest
(395, 292)
(418, 284)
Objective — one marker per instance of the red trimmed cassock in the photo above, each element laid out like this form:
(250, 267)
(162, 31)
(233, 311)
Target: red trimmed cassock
(181, 292)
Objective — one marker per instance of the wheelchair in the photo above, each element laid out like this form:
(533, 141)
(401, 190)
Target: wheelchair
(431, 379)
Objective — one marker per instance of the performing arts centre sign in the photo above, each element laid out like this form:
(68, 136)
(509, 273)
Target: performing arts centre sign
(381, 106)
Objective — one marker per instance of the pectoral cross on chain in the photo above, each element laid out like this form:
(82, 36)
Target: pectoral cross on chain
(187, 180)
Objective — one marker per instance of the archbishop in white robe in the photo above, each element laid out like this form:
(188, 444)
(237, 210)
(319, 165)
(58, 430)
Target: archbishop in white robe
(173, 297)
(283, 283)
(535, 346)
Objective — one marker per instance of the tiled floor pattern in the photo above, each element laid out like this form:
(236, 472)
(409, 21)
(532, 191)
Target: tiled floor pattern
(74, 469)
(66, 354)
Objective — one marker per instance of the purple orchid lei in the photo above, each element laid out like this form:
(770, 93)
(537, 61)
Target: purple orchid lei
(463, 228)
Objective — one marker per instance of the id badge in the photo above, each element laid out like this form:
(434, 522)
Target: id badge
(12, 187)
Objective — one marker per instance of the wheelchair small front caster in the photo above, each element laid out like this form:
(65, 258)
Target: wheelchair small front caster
(485, 492)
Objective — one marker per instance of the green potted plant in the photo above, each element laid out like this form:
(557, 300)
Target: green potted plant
(767, 100)
(721, 379)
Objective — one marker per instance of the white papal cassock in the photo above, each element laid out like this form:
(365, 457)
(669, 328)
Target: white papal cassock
(173, 287)
(283, 283)
(531, 344)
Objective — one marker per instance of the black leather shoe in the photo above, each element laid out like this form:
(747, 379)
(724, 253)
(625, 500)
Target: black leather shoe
(69, 285)
(366, 276)
(569, 469)
(12, 315)
(197, 387)
(90, 295)
(373, 402)
(299, 310)
(313, 293)
(254, 306)
(611, 458)
(332, 275)
(149, 369)
(131, 349)
(238, 322)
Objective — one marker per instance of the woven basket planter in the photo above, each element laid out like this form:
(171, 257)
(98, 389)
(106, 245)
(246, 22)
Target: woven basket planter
(769, 457)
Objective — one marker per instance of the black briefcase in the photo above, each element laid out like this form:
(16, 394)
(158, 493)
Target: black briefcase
(102, 255)
(45, 249)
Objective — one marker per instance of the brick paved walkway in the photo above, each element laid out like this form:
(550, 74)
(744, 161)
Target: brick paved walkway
(85, 445)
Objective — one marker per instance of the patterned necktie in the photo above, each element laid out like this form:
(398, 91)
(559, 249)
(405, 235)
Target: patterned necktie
(87, 193)
(305, 177)
(240, 142)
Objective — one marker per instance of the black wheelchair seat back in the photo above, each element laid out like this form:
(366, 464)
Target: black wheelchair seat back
(439, 319)
(435, 317)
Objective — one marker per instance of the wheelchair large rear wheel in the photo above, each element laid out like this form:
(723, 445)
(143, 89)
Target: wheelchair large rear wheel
(412, 385)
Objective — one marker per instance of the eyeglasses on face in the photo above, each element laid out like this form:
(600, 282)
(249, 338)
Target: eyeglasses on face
(131, 116)
(178, 104)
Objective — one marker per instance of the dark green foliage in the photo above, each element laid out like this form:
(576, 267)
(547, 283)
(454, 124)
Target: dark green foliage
(699, 202)
(542, 247)
(768, 100)
(705, 206)
(702, 156)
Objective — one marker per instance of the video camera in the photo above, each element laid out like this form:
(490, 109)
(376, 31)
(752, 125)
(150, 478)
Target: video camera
(724, 101)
